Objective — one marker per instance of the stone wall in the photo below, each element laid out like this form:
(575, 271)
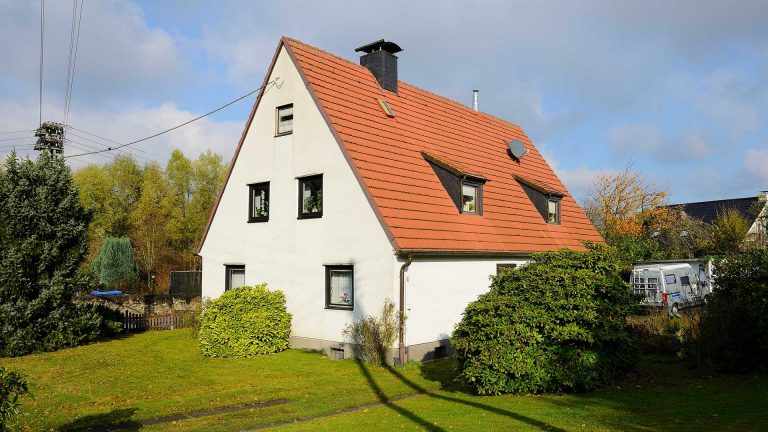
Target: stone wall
(148, 305)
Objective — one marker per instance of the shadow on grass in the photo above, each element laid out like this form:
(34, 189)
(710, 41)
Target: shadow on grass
(419, 389)
(119, 419)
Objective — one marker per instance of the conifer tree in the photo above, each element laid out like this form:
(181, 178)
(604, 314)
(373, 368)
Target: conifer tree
(43, 242)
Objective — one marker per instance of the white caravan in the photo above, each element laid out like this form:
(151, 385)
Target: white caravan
(672, 284)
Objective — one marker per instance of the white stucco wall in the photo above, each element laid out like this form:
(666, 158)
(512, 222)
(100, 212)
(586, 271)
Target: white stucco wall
(287, 253)
(439, 289)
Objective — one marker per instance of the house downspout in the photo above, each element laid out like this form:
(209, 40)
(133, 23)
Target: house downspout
(401, 334)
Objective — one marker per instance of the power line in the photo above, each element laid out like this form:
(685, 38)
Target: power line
(17, 131)
(15, 138)
(74, 39)
(105, 139)
(91, 147)
(182, 124)
(42, 55)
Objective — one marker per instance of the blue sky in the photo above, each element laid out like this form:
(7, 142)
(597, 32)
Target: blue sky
(675, 88)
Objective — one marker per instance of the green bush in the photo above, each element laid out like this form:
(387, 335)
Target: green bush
(657, 333)
(43, 244)
(557, 323)
(114, 265)
(245, 322)
(732, 333)
(12, 387)
(372, 337)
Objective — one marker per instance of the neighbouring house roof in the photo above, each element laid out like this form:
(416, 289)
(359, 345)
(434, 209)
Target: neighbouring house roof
(707, 211)
(390, 157)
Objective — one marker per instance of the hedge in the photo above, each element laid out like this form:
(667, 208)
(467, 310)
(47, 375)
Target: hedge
(555, 324)
(245, 322)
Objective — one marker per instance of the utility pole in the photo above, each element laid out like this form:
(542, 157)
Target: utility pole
(50, 136)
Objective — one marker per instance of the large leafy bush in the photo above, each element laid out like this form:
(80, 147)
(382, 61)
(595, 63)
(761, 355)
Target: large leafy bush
(12, 388)
(245, 322)
(42, 246)
(557, 323)
(732, 332)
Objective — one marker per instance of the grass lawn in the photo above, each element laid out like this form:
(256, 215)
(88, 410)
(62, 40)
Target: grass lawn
(160, 373)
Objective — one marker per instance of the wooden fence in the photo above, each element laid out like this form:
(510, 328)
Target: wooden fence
(135, 322)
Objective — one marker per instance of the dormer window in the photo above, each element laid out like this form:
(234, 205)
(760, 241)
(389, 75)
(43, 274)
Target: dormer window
(469, 198)
(544, 197)
(464, 187)
(284, 120)
(553, 210)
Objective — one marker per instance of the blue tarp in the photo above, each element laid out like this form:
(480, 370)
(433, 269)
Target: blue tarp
(106, 293)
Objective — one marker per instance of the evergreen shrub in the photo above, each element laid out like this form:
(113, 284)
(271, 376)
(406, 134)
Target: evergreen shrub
(555, 324)
(732, 331)
(245, 322)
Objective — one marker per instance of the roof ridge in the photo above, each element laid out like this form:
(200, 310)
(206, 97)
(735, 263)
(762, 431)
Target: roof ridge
(413, 86)
(712, 201)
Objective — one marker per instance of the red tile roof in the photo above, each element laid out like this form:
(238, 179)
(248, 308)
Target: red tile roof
(413, 206)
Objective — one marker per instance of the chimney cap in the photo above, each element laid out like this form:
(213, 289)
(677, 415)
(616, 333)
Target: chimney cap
(380, 45)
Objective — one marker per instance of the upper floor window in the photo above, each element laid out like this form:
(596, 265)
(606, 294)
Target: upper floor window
(311, 197)
(553, 211)
(258, 202)
(469, 198)
(285, 119)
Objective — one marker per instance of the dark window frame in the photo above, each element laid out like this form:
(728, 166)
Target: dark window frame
(478, 196)
(312, 215)
(328, 270)
(501, 266)
(277, 120)
(558, 201)
(251, 189)
(228, 274)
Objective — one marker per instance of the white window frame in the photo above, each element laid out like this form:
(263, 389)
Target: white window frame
(284, 126)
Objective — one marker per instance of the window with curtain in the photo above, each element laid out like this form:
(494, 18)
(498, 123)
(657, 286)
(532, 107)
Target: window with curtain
(469, 198)
(339, 287)
(553, 211)
(259, 202)
(235, 276)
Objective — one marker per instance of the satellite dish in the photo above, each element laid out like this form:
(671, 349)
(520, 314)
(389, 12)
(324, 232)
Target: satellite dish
(517, 149)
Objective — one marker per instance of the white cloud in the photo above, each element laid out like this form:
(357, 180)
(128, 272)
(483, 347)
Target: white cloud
(647, 141)
(756, 162)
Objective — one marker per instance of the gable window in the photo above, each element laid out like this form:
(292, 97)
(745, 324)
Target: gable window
(285, 119)
(258, 202)
(339, 287)
(234, 276)
(469, 198)
(553, 211)
(311, 197)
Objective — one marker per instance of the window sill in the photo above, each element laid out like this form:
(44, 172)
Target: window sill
(258, 219)
(284, 134)
(334, 307)
(310, 216)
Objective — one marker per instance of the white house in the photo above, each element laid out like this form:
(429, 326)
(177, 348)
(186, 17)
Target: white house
(349, 187)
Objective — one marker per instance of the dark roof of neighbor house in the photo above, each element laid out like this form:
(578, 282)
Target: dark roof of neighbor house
(387, 155)
(707, 211)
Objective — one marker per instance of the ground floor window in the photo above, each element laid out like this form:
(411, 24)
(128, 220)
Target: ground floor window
(339, 286)
(235, 276)
(501, 267)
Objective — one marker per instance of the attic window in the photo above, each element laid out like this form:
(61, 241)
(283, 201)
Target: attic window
(463, 188)
(469, 197)
(285, 120)
(545, 198)
(385, 106)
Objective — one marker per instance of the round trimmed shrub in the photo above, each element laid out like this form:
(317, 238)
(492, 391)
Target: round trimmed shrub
(245, 322)
(555, 324)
